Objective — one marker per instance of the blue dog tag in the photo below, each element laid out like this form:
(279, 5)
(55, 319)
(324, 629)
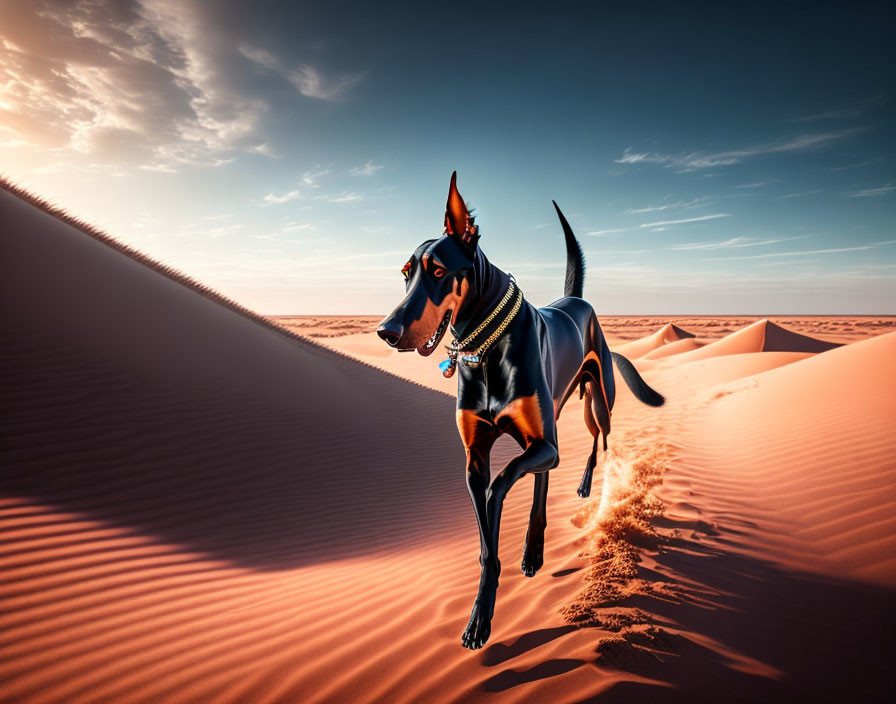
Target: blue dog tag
(444, 365)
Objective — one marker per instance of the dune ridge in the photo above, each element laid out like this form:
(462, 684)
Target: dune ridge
(668, 334)
(761, 336)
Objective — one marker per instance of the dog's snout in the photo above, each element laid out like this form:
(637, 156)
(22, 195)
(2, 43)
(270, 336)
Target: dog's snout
(390, 332)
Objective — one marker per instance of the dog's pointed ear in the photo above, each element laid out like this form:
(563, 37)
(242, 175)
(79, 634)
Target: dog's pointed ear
(459, 224)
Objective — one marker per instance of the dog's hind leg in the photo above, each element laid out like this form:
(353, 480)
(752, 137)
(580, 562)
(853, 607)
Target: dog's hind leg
(584, 489)
(597, 420)
(533, 554)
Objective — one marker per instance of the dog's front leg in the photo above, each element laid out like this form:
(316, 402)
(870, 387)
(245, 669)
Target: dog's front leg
(477, 485)
(539, 456)
(478, 436)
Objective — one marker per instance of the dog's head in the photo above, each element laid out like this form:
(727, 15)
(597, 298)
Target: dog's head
(438, 277)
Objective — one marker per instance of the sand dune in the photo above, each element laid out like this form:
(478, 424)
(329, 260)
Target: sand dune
(837, 487)
(765, 529)
(761, 336)
(677, 347)
(668, 334)
(621, 329)
(198, 508)
(199, 404)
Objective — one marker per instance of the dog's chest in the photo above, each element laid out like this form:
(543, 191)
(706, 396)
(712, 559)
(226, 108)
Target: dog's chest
(488, 389)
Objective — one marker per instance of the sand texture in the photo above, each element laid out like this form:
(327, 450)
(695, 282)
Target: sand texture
(196, 506)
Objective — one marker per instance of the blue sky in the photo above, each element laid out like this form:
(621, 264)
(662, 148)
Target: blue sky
(711, 159)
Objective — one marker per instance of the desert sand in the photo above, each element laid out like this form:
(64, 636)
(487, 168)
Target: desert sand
(200, 506)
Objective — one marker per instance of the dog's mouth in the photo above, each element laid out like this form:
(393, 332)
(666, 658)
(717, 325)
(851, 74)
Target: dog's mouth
(431, 343)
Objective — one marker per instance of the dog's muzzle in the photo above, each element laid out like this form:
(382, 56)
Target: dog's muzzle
(390, 332)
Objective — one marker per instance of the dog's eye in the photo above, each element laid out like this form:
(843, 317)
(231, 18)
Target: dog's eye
(406, 271)
(438, 271)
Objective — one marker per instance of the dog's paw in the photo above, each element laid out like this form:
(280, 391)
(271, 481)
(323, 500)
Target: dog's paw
(479, 628)
(532, 561)
(584, 489)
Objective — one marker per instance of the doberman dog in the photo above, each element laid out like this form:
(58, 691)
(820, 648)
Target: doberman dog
(518, 366)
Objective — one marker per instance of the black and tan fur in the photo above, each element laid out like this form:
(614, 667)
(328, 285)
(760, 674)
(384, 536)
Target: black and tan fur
(520, 387)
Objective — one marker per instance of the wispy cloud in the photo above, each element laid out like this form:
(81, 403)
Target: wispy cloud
(832, 250)
(296, 227)
(869, 192)
(345, 198)
(696, 202)
(311, 178)
(273, 199)
(313, 84)
(368, 169)
(376, 255)
(758, 184)
(275, 237)
(308, 80)
(611, 231)
(832, 114)
(734, 242)
(848, 113)
(223, 230)
(701, 218)
(800, 194)
(857, 165)
(702, 160)
(618, 251)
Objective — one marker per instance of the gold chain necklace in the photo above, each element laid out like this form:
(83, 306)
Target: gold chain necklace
(456, 347)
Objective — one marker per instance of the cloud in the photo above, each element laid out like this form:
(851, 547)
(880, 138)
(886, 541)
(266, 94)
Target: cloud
(832, 250)
(368, 169)
(272, 199)
(311, 178)
(223, 230)
(344, 198)
(869, 192)
(832, 114)
(701, 218)
(612, 231)
(296, 227)
(857, 165)
(696, 202)
(800, 194)
(154, 83)
(377, 255)
(309, 81)
(734, 242)
(618, 251)
(753, 185)
(702, 160)
(842, 113)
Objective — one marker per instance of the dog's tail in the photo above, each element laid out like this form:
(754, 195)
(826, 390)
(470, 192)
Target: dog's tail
(575, 260)
(634, 382)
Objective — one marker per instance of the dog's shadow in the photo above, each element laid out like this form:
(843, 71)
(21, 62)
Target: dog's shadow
(498, 653)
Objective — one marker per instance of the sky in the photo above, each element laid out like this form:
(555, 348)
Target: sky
(712, 158)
